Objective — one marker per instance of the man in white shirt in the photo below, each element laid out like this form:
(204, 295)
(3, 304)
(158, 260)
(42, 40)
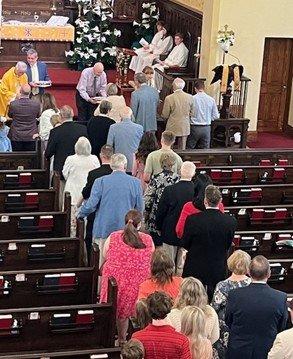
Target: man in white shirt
(36, 71)
(177, 58)
(205, 112)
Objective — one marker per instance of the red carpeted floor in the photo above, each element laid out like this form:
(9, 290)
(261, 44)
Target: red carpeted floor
(272, 140)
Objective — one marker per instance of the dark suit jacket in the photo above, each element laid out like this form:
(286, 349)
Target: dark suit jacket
(169, 208)
(254, 314)
(98, 128)
(61, 142)
(86, 192)
(92, 176)
(24, 113)
(208, 236)
(43, 73)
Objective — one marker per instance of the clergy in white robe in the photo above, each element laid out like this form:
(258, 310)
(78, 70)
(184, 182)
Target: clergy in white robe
(177, 58)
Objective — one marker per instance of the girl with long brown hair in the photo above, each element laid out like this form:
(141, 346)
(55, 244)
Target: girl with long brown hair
(127, 256)
(48, 108)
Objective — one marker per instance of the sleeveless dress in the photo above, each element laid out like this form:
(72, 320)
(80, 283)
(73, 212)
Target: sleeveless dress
(130, 267)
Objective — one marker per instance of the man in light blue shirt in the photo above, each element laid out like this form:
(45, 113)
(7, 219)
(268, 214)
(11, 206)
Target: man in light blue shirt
(112, 196)
(125, 137)
(205, 112)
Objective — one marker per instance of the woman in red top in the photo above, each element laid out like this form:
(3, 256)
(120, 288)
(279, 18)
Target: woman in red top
(197, 205)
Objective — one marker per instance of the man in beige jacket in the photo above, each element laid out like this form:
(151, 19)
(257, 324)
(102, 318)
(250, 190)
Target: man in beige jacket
(177, 110)
(283, 344)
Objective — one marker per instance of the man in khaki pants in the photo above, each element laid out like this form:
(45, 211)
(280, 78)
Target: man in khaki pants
(177, 110)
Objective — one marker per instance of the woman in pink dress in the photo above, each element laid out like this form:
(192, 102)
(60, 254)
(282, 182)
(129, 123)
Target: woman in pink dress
(127, 255)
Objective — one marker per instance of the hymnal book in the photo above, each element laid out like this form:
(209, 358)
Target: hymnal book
(265, 163)
(285, 236)
(45, 222)
(67, 279)
(281, 213)
(283, 162)
(85, 316)
(26, 222)
(99, 356)
(13, 198)
(58, 319)
(6, 321)
(257, 213)
(1, 281)
(279, 173)
(237, 239)
(11, 178)
(276, 269)
(216, 174)
(256, 193)
(237, 173)
(37, 249)
(51, 280)
(143, 42)
(31, 198)
(25, 178)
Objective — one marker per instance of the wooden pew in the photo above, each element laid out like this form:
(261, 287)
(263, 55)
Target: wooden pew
(36, 224)
(250, 174)
(29, 159)
(248, 218)
(24, 179)
(40, 200)
(235, 157)
(53, 253)
(107, 353)
(282, 282)
(274, 194)
(49, 287)
(38, 329)
(264, 243)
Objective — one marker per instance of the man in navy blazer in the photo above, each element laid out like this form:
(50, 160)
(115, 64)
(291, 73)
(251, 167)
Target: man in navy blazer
(255, 314)
(36, 71)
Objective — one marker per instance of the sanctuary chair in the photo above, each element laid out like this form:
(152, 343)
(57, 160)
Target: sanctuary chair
(82, 327)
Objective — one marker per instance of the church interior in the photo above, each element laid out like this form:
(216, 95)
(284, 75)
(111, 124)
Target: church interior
(218, 104)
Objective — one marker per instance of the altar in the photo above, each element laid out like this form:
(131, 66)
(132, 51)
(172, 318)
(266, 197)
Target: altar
(25, 27)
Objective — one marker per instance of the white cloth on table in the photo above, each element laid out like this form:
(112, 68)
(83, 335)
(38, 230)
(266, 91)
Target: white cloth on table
(177, 57)
(158, 46)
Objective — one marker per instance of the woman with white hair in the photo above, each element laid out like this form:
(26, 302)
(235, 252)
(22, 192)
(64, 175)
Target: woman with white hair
(75, 171)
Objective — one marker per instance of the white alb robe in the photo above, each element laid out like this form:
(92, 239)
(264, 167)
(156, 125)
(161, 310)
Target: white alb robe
(178, 57)
(157, 47)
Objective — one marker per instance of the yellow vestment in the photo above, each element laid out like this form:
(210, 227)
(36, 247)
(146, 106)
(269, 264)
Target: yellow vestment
(9, 87)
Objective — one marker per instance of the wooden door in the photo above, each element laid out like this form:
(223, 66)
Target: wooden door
(275, 84)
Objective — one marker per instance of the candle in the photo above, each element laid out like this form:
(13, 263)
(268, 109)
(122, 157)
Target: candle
(198, 45)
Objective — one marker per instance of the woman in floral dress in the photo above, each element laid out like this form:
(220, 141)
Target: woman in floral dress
(128, 255)
(154, 192)
(238, 264)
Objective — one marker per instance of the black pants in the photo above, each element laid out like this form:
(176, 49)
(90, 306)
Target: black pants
(200, 137)
(85, 109)
(23, 145)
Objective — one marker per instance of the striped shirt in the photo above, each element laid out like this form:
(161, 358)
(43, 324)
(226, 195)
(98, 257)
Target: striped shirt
(163, 342)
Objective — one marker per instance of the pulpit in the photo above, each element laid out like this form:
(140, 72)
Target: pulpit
(23, 28)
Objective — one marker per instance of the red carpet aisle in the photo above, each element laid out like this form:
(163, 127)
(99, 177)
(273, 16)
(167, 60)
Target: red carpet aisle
(272, 140)
(64, 84)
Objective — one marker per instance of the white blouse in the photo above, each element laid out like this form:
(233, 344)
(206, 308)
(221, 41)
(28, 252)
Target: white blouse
(75, 172)
(45, 125)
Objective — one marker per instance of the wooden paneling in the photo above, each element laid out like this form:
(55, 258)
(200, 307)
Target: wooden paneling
(181, 19)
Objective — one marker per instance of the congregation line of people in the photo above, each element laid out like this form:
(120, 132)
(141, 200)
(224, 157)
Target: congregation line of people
(162, 231)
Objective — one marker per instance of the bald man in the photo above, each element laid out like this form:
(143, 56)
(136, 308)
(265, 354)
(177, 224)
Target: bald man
(92, 83)
(24, 113)
(10, 84)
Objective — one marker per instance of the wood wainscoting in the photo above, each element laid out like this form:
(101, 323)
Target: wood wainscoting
(186, 21)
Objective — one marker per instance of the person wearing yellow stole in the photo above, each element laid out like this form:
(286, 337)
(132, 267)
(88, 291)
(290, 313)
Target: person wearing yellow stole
(10, 85)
